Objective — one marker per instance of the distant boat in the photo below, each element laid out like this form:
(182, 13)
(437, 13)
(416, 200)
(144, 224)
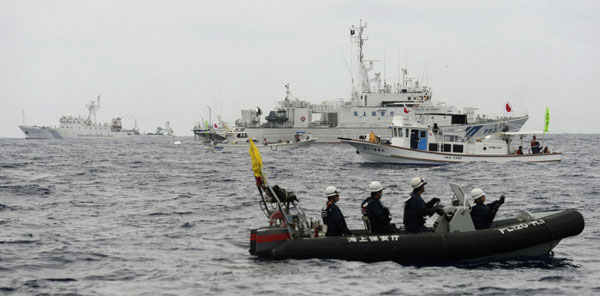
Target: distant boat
(237, 139)
(163, 131)
(80, 127)
(413, 143)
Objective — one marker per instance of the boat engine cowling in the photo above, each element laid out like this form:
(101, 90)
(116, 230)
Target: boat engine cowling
(456, 219)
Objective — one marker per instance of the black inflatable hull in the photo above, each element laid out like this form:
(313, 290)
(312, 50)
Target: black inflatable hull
(533, 238)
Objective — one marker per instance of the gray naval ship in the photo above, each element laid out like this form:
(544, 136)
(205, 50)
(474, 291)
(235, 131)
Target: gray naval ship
(80, 127)
(372, 106)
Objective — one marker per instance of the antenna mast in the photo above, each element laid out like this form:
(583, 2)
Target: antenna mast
(93, 108)
(384, 81)
(359, 81)
(398, 69)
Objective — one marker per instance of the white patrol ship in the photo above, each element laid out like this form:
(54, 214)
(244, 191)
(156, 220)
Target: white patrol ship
(80, 127)
(372, 106)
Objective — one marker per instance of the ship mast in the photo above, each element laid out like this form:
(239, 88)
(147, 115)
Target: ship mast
(93, 108)
(359, 83)
(287, 92)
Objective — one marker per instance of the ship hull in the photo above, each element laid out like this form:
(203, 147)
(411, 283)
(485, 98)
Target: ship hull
(261, 147)
(331, 135)
(39, 132)
(381, 153)
(44, 132)
(82, 132)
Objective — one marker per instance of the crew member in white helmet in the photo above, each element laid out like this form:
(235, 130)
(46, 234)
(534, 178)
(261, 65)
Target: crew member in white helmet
(332, 216)
(379, 216)
(415, 208)
(482, 214)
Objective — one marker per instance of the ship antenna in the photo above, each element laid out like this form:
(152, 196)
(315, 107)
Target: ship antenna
(405, 69)
(210, 116)
(347, 66)
(23, 113)
(384, 70)
(398, 86)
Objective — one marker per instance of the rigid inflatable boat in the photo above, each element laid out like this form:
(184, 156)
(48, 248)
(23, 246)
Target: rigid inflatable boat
(290, 235)
(454, 238)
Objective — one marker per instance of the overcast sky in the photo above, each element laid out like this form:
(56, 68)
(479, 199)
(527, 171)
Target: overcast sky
(158, 61)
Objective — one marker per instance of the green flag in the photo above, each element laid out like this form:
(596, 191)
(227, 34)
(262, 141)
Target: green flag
(547, 120)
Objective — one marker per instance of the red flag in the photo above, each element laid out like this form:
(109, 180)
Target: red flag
(405, 110)
(508, 107)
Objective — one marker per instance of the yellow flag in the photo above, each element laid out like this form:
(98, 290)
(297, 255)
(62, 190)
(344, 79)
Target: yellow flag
(257, 164)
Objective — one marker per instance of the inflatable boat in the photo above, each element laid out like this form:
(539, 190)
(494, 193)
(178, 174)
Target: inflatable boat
(290, 235)
(453, 237)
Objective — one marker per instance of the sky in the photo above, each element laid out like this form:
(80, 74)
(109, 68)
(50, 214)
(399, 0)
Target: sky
(157, 61)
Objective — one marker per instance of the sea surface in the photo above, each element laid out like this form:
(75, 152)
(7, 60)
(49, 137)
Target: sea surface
(147, 217)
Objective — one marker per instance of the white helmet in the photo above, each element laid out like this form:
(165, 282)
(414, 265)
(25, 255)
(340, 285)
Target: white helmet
(375, 186)
(417, 182)
(477, 193)
(331, 191)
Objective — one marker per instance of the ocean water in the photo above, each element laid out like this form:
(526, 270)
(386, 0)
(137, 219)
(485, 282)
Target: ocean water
(147, 217)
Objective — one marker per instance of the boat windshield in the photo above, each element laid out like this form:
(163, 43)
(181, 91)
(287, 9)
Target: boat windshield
(397, 132)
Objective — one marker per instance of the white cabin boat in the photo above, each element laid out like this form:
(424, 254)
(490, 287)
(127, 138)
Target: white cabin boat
(237, 139)
(413, 143)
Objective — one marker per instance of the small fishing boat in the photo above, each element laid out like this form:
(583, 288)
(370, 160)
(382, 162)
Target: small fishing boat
(237, 139)
(412, 143)
(290, 235)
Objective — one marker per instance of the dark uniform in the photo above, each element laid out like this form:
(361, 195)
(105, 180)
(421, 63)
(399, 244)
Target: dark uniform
(483, 215)
(415, 210)
(334, 219)
(379, 216)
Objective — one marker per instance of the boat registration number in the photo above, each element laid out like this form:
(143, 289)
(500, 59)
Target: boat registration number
(521, 226)
(453, 157)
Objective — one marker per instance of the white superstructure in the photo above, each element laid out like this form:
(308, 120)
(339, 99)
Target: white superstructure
(80, 127)
(372, 106)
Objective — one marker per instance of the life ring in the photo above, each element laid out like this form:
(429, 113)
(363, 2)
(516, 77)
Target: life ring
(302, 118)
(277, 216)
